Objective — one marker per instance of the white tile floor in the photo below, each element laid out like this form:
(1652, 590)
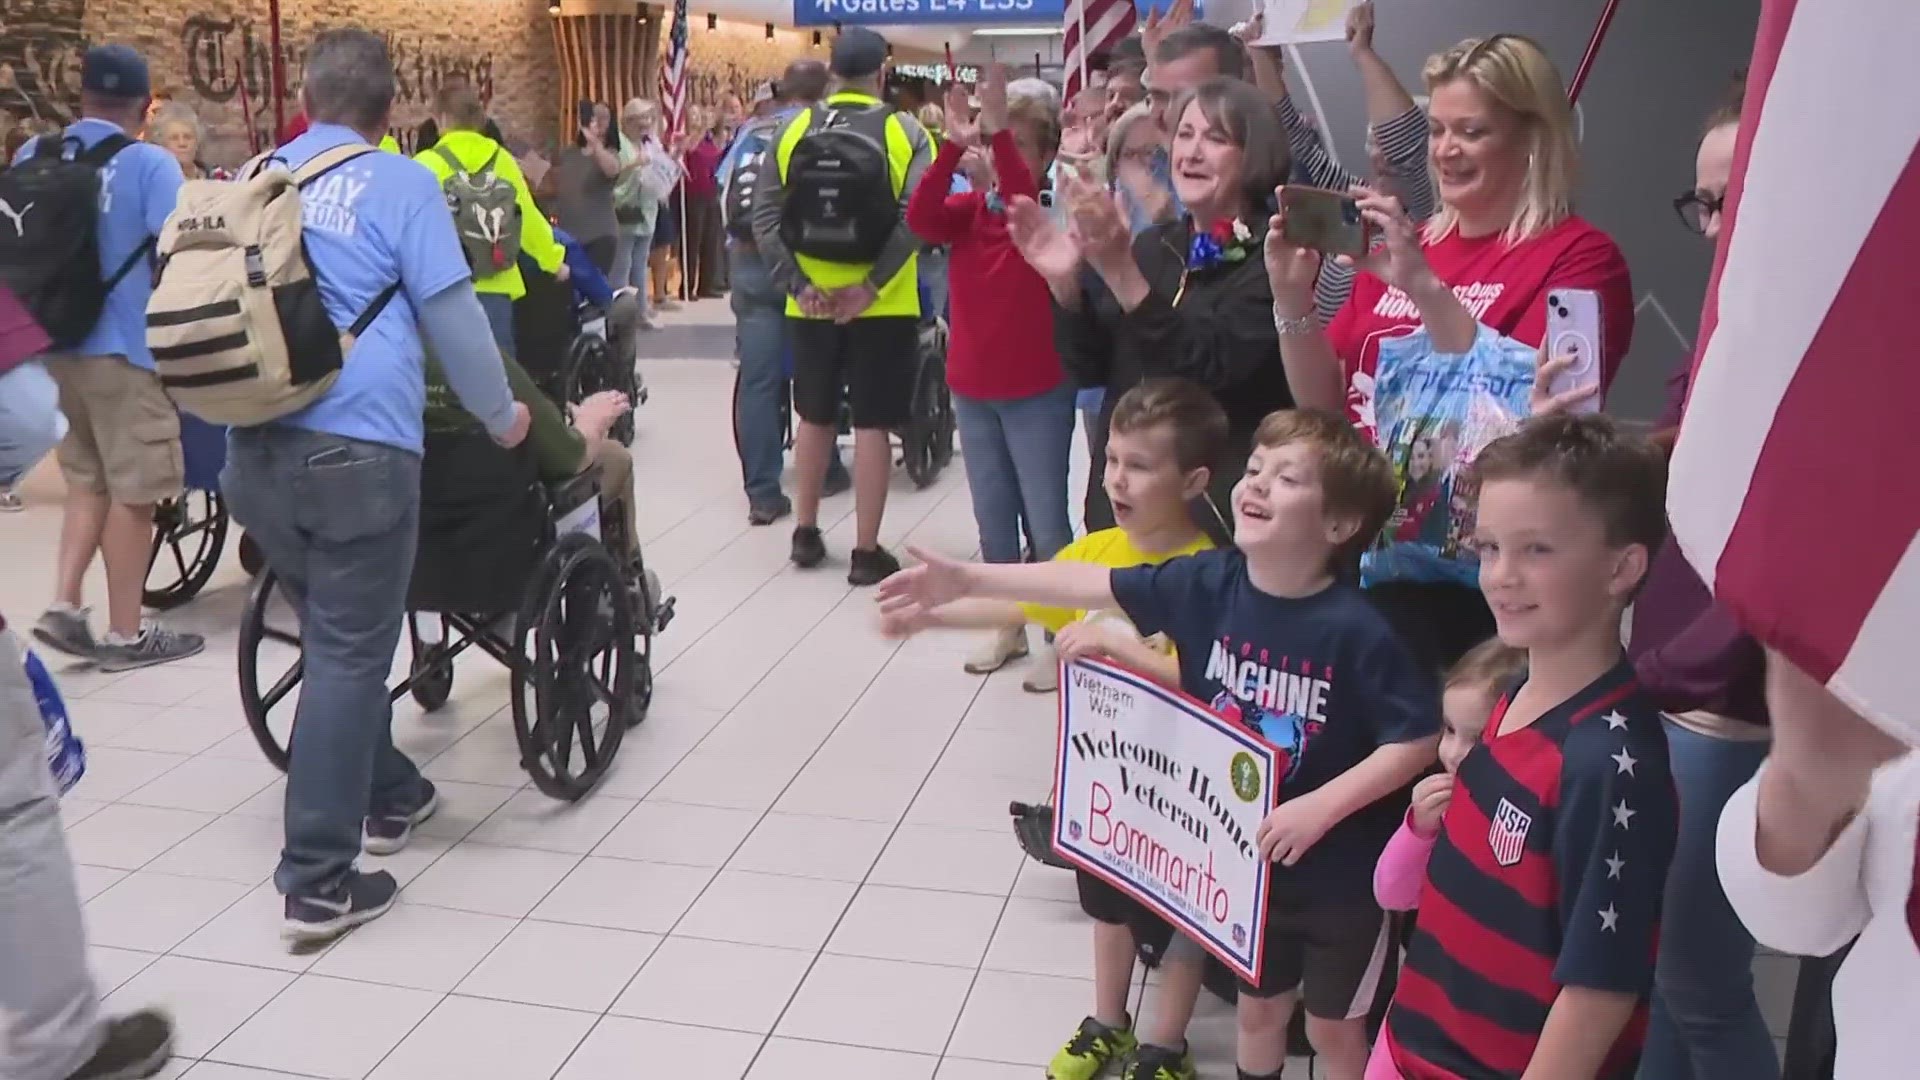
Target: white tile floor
(799, 869)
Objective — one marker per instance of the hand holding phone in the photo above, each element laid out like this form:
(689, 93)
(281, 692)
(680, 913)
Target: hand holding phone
(1329, 222)
(1570, 351)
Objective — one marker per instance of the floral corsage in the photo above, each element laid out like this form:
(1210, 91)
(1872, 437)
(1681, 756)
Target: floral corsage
(1228, 240)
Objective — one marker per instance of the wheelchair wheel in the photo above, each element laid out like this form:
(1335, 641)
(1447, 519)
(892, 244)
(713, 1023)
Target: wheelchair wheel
(251, 560)
(590, 369)
(926, 442)
(786, 413)
(189, 534)
(573, 701)
(431, 676)
(271, 666)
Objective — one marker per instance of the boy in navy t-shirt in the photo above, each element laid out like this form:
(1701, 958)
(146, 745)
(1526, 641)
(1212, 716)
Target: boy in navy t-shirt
(1272, 636)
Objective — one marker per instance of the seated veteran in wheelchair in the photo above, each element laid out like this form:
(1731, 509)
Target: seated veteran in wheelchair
(578, 336)
(564, 450)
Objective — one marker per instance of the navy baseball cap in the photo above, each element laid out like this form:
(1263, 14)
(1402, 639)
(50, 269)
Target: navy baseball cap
(857, 53)
(116, 70)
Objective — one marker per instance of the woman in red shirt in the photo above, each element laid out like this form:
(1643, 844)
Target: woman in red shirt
(1011, 399)
(1502, 151)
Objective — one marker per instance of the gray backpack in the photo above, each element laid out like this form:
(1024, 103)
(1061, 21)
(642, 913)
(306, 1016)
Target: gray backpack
(486, 214)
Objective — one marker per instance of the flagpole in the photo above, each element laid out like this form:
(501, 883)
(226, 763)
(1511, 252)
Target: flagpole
(1080, 15)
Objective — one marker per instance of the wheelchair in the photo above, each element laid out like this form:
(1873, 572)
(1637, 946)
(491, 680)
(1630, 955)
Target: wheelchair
(570, 346)
(926, 439)
(190, 531)
(525, 571)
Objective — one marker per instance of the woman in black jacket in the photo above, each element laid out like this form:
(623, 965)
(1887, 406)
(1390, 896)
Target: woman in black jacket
(1187, 298)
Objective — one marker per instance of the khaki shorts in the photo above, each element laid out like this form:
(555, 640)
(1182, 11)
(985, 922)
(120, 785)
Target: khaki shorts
(123, 436)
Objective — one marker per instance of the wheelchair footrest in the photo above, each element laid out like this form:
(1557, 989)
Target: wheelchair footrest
(663, 614)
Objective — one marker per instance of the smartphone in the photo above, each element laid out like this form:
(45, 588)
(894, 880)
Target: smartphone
(1326, 221)
(1573, 329)
(585, 110)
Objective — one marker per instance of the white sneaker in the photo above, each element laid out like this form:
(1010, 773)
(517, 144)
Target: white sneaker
(1043, 673)
(1001, 649)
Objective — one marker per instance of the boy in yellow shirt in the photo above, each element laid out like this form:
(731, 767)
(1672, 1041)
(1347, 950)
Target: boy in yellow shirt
(1162, 435)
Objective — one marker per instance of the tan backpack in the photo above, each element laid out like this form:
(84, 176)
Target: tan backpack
(236, 324)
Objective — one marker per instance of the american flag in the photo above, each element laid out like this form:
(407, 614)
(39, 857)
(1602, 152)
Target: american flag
(1796, 481)
(673, 73)
(1093, 26)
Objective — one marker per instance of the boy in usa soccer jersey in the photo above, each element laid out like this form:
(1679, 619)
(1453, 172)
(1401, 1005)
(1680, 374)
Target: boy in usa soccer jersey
(1535, 950)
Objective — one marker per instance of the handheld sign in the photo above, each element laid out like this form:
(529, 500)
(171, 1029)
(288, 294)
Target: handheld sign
(1161, 797)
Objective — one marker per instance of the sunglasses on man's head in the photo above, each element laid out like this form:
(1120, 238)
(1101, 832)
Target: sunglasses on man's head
(1697, 208)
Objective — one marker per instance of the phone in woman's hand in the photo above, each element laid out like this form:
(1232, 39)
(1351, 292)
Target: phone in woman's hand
(1326, 221)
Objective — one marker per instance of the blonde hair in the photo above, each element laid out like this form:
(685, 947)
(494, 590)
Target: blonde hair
(1041, 116)
(1515, 74)
(932, 116)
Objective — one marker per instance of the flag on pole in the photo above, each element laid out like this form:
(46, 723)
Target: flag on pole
(673, 74)
(1796, 482)
(1093, 26)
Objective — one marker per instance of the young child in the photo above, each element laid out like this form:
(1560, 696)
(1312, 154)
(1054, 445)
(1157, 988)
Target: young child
(1275, 620)
(1162, 434)
(1535, 949)
(1467, 697)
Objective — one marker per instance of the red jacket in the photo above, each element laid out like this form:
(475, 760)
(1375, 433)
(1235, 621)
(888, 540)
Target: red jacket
(1001, 344)
(21, 338)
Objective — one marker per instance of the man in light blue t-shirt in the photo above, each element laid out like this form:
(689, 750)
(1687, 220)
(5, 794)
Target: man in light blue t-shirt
(121, 453)
(332, 493)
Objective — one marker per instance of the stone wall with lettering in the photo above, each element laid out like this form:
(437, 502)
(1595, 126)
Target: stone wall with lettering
(213, 55)
(40, 47)
(734, 57)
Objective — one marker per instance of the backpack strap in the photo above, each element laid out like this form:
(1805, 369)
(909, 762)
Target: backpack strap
(101, 152)
(144, 250)
(328, 160)
(373, 310)
(453, 163)
(487, 169)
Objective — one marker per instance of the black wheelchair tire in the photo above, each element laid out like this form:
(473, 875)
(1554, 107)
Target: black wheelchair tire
(554, 615)
(647, 623)
(431, 674)
(926, 441)
(193, 530)
(591, 368)
(253, 700)
(252, 560)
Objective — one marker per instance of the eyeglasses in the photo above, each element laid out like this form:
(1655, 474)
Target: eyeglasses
(1696, 209)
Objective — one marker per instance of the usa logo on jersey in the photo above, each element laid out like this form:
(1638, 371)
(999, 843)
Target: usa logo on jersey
(1507, 836)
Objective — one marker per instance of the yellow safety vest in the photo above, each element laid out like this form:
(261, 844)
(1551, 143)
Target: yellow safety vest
(899, 296)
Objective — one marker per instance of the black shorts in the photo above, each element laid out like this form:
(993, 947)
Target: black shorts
(874, 361)
(1105, 904)
(1334, 950)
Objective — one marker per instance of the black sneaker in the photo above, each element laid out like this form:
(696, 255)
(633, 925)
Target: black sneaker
(769, 511)
(871, 566)
(809, 547)
(136, 1046)
(1033, 828)
(386, 834)
(321, 917)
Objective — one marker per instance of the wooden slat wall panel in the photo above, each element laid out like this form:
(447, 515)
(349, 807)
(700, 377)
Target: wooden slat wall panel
(605, 57)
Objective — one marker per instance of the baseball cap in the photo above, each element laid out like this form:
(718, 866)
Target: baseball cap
(857, 53)
(116, 70)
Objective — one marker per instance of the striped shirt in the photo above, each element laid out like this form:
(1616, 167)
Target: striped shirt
(1402, 142)
(1548, 873)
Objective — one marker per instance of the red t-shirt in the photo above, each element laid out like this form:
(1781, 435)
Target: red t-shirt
(703, 158)
(1505, 287)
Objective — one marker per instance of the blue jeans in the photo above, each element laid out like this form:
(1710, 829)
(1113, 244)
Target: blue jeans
(337, 519)
(760, 326)
(1705, 1023)
(31, 423)
(499, 311)
(1016, 455)
(630, 265)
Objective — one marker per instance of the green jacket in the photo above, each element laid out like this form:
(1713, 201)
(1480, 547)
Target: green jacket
(560, 450)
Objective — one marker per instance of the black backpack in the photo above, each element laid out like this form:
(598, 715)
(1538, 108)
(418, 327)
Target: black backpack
(50, 235)
(841, 205)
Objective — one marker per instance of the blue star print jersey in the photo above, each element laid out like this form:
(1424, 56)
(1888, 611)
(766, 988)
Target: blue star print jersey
(1548, 873)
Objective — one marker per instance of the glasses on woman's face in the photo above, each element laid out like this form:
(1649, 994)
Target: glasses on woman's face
(1697, 209)
(1139, 155)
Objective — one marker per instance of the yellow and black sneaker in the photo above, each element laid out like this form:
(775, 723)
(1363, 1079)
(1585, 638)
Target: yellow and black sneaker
(1093, 1047)
(1160, 1063)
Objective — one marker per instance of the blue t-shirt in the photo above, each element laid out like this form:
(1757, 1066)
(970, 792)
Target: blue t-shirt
(138, 188)
(378, 219)
(588, 282)
(1323, 678)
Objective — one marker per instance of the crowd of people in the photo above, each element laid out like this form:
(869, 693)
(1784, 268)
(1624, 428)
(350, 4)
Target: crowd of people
(1513, 842)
